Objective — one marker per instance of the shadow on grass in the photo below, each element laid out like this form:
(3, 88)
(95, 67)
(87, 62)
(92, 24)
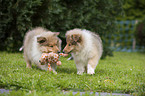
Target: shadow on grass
(74, 71)
(100, 71)
(69, 70)
(34, 67)
(58, 70)
(66, 70)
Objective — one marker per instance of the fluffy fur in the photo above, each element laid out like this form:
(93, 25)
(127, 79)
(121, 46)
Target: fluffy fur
(86, 48)
(38, 41)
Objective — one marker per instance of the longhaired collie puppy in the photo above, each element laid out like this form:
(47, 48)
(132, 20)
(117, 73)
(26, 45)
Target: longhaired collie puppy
(86, 48)
(38, 41)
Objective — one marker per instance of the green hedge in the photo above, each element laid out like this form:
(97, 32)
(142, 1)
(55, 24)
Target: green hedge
(133, 9)
(18, 16)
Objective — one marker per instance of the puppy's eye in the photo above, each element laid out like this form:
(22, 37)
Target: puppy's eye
(69, 44)
(74, 43)
(50, 46)
(42, 41)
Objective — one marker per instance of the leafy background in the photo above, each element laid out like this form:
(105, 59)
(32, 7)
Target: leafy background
(19, 16)
(56, 15)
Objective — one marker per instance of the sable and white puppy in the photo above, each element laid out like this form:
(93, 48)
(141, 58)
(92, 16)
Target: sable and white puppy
(86, 48)
(38, 41)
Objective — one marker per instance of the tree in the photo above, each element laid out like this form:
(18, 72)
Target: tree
(134, 9)
(57, 15)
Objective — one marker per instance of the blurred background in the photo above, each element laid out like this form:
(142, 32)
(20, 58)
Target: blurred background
(120, 23)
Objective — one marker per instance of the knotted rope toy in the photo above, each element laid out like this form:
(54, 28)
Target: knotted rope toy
(51, 58)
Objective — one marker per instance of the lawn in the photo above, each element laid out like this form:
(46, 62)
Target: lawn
(122, 73)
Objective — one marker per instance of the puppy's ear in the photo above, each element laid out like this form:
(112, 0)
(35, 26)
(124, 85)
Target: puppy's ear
(41, 40)
(77, 38)
(56, 33)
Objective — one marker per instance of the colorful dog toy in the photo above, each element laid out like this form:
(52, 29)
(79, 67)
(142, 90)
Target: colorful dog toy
(51, 58)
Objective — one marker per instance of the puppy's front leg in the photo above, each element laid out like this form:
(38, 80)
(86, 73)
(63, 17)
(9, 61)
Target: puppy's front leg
(92, 63)
(90, 69)
(53, 66)
(28, 62)
(80, 68)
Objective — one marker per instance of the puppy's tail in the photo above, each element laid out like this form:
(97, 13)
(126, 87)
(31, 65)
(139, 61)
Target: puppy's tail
(21, 48)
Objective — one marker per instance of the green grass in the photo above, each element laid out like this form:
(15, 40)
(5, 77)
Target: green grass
(123, 73)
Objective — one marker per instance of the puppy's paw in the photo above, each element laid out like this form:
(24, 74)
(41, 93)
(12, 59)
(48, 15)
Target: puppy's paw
(80, 72)
(28, 66)
(90, 70)
(54, 72)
